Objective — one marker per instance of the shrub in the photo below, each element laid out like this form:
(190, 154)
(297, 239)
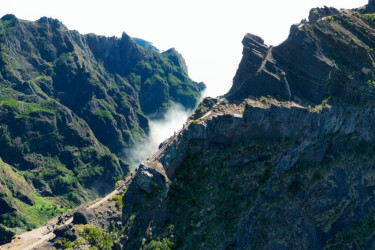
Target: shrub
(97, 238)
(370, 83)
(118, 199)
(164, 244)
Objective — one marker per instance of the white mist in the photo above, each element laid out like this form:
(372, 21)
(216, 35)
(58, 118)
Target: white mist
(160, 130)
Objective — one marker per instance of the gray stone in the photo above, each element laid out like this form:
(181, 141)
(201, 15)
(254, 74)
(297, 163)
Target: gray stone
(145, 180)
(82, 216)
(151, 177)
(66, 231)
(60, 231)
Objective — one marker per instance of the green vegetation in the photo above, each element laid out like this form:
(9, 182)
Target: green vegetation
(104, 114)
(210, 205)
(97, 238)
(32, 209)
(118, 199)
(42, 211)
(368, 49)
(356, 233)
(5, 26)
(66, 244)
(164, 244)
(10, 103)
(37, 108)
(173, 79)
(370, 18)
(213, 191)
(370, 83)
(92, 236)
(66, 115)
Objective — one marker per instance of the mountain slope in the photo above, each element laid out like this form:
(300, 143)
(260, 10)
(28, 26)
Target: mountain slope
(284, 161)
(148, 72)
(70, 104)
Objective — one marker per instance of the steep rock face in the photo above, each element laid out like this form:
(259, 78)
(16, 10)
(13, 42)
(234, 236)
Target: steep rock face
(69, 106)
(259, 68)
(285, 160)
(315, 62)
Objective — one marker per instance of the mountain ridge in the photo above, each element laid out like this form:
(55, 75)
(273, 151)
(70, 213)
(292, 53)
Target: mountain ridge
(284, 160)
(68, 111)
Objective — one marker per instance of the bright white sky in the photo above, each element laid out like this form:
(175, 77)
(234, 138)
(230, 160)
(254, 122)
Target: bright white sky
(208, 33)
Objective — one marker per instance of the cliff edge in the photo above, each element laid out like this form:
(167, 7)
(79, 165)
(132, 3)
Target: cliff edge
(285, 160)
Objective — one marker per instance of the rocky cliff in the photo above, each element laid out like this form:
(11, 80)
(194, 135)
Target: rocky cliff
(285, 160)
(69, 106)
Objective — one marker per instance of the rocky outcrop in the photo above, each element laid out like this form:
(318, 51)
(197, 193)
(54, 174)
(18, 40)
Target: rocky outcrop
(66, 231)
(259, 73)
(313, 63)
(151, 176)
(319, 13)
(83, 216)
(145, 203)
(371, 5)
(284, 160)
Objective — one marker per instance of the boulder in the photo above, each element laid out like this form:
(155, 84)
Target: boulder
(145, 180)
(58, 245)
(82, 216)
(60, 231)
(66, 231)
(151, 177)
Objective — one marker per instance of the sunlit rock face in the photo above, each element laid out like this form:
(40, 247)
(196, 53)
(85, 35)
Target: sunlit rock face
(311, 64)
(285, 160)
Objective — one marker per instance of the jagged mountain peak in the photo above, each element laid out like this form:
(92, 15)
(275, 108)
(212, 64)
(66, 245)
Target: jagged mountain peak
(311, 64)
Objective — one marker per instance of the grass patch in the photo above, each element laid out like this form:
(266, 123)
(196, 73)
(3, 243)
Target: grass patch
(42, 211)
(10, 103)
(105, 114)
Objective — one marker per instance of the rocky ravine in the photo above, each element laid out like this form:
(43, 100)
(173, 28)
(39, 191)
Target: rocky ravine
(284, 161)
